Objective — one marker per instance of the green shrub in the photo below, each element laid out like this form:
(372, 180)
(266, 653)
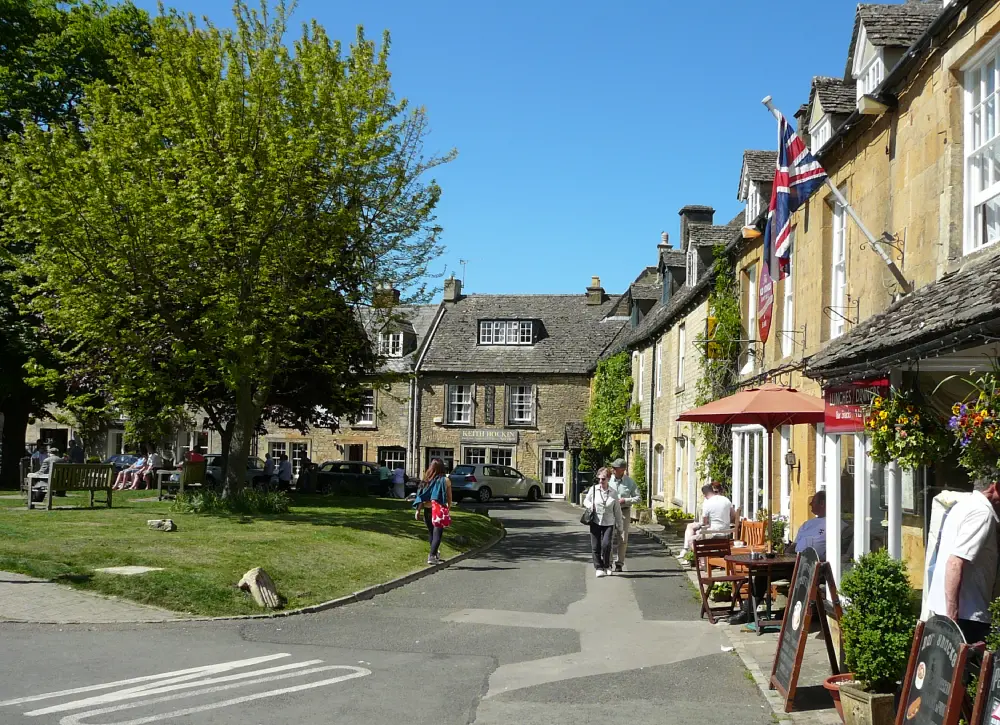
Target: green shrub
(678, 516)
(639, 473)
(246, 501)
(689, 557)
(878, 621)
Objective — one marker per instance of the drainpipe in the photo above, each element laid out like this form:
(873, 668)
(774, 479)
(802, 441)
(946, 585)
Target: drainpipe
(652, 407)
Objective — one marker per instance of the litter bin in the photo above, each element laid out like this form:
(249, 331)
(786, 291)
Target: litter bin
(581, 483)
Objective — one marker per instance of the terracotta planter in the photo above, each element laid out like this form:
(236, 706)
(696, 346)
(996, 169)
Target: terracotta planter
(832, 685)
(866, 708)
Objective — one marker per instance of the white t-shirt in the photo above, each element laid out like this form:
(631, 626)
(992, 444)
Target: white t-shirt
(812, 533)
(970, 533)
(719, 511)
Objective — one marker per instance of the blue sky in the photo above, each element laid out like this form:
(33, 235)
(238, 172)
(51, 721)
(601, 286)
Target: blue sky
(582, 128)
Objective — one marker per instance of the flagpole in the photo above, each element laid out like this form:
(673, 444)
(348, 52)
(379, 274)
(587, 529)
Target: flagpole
(873, 242)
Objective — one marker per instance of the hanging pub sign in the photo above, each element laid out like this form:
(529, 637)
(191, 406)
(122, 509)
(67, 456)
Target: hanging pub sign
(846, 404)
(765, 303)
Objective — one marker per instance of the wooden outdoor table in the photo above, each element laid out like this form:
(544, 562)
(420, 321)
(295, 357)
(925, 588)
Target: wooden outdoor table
(769, 568)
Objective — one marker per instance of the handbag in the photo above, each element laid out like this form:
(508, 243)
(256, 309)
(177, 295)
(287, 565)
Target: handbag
(587, 517)
(440, 515)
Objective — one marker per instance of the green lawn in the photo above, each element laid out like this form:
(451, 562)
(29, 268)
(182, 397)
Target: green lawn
(324, 548)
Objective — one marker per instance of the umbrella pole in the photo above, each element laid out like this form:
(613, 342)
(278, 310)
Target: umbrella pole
(770, 498)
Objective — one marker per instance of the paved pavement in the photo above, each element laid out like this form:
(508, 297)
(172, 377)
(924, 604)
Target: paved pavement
(523, 633)
(23, 598)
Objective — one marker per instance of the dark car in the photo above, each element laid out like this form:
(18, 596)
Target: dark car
(352, 478)
(121, 461)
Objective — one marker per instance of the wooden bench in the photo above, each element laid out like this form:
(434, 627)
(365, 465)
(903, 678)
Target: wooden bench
(192, 474)
(78, 477)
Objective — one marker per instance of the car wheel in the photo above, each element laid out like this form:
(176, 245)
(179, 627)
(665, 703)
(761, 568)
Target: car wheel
(485, 494)
(534, 493)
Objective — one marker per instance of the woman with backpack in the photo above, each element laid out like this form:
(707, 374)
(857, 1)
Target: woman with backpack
(605, 515)
(434, 499)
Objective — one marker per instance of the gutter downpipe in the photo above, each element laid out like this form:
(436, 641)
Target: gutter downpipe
(652, 406)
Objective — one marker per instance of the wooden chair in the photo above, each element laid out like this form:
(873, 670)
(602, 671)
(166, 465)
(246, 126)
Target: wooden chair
(714, 549)
(753, 533)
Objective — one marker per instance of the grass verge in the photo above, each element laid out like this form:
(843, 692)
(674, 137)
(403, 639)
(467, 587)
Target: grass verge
(322, 549)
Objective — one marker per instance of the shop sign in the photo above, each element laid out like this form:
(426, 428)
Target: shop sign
(490, 435)
(765, 303)
(846, 404)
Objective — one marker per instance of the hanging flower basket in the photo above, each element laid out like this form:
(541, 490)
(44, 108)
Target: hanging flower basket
(976, 427)
(904, 431)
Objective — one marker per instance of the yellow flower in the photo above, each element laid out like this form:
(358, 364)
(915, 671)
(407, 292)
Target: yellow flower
(909, 409)
(877, 402)
(883, 429)
(989, 433)
(883, 415)
(916, 418)
(956, 409)
(903, 420)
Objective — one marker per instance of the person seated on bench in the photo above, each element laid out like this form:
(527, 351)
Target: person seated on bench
(193, 455)
(45, 469)
(717, 514)
(127, 478)
(154, 462)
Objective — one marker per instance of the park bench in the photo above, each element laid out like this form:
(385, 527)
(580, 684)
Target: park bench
(192, 475)
(78, 477)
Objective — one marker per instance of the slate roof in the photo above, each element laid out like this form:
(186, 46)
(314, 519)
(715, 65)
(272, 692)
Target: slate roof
(928, 318)
(894, 26)
(576, 435)
(835, 94)
(710, 236)
(416, 319)
(673, 258)
(646, 291)
(738, 220)
(757, 166)
(573, 336)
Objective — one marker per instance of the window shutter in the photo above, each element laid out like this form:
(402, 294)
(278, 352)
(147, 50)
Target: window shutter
(447, 397)
(534, 404)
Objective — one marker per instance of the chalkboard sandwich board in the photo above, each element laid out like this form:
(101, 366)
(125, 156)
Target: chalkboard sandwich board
(803, 603)
(987, 707)
(933, 689)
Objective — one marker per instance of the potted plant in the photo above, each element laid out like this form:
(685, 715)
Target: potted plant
(722, 592)
(877, 628)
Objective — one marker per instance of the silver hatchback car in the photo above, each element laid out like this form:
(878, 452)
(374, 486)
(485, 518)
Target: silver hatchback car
(483, 481)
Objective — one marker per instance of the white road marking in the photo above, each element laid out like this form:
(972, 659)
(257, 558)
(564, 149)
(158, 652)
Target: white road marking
(195, 671)
(77, 719)
(179, 683)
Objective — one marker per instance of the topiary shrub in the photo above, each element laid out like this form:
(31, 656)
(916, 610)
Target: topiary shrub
(878, 621)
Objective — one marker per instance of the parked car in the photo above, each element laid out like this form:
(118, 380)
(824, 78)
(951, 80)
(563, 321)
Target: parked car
(484, 481)
(121, 461)
(351, 478)
(213, 469)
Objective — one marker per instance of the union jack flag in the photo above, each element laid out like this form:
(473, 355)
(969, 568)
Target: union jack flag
(797, 175)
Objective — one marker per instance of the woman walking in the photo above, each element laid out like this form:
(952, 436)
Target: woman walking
(603, 501)
(434, 498)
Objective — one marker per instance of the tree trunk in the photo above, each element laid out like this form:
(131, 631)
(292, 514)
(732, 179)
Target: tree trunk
(16, 412)
(244, 429)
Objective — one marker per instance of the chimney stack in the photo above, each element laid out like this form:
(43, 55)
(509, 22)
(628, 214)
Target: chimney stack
(693, 214)
(664, 244)
(452, 289)
(386, 296)
(595, 293)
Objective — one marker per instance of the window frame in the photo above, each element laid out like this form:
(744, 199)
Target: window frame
(362, 420)
(838, 271)
(528, 405)
(506, 332)
(642, 372)
(467, 455)
(659, 367)
(691, 271)
(497, 452)
(681, 344)
(820, 132)
(985, 155)
(387, 344)
(450, 390)
(754, 202)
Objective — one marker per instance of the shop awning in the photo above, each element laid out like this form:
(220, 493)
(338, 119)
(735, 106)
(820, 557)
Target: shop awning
(959, 310)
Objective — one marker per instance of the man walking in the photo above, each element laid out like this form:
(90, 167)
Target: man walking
(962, 585)
(628, 494)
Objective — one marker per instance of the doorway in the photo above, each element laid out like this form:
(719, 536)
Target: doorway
(554, 474)
(355, 452)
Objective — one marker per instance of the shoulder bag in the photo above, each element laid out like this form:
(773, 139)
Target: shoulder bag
(587, 517)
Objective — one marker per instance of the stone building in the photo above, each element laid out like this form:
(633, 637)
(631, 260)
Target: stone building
(382, 433)
(909, 136)
(666, 343)
(505, 379)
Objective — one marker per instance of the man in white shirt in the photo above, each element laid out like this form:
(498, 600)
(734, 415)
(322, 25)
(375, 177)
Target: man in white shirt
(717, 514)
(284, 472)
(962, 585)
(628, 494)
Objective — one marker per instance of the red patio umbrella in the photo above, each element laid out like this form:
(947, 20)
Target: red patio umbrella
(769, 406)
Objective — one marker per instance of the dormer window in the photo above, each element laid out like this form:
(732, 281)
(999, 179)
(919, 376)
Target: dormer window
(506, 332)
(871, 76)
(754, 203)
(820, 132)
(390, 344)
(692, 265)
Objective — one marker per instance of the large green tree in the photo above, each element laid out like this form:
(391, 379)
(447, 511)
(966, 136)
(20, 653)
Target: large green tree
(611, 409)
(49, 51)
(209, 233)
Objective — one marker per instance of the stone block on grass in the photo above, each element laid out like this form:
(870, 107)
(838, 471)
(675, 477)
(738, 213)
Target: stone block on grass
(161, 524)
(261, 587)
